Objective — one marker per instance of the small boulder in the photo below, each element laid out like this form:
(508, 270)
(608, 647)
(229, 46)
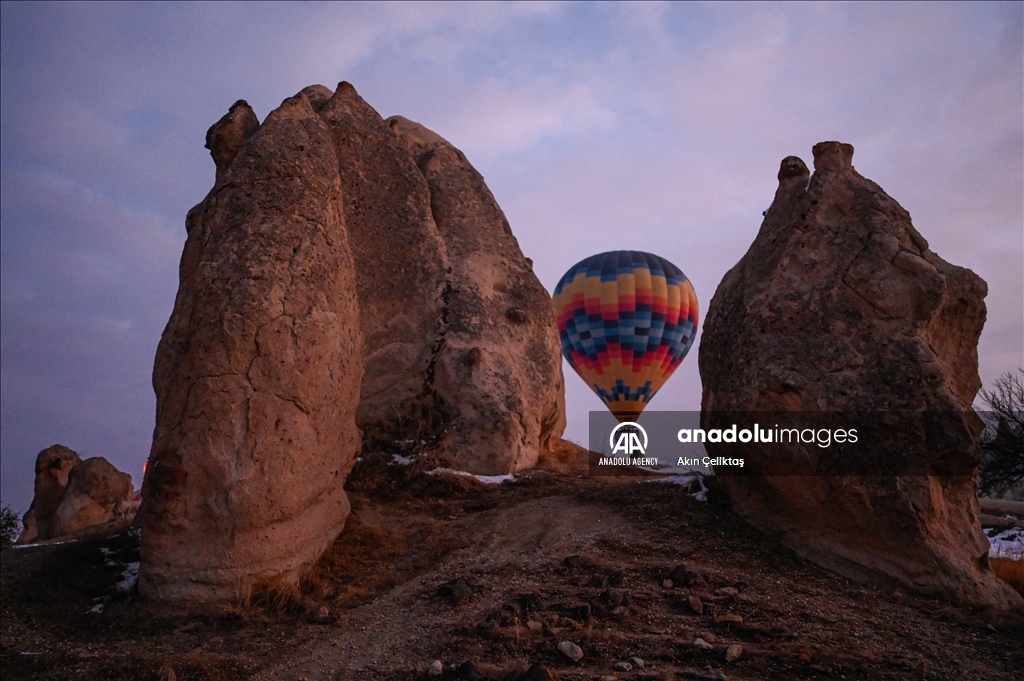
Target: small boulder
(571, 650)
(682, 576)
(538, 672)
(461, 593)
(613, 597)
(95, 489)
(713, 675)
(581, 612)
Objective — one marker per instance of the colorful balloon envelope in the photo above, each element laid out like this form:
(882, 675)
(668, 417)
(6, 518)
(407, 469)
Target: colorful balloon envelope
(626, 320)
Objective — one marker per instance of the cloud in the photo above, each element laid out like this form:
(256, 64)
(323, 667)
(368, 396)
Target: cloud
(657, 126)
(932, 103)
(499, 118)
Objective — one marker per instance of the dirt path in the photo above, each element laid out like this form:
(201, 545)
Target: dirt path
(490, 580)
(510, 548)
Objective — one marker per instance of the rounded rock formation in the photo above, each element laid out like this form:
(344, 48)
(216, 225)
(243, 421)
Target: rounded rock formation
(840, 306)
(258, 371)
(53, 465)
(344, 273)
(461, 354)
(95, 491)
(496, 367)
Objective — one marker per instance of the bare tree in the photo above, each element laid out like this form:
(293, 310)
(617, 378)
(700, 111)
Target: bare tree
(9, 526)
(1002, 443)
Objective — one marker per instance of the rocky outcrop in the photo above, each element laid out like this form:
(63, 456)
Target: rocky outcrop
(53, 465)
(258, 371)
(226, 136)
(461, 352)
(401, 266)
(344, 273)
(497, 364)
(72, 496)
(95, 494)
(840, 306)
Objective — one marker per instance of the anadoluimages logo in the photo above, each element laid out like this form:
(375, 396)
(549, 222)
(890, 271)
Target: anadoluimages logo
(628, 442)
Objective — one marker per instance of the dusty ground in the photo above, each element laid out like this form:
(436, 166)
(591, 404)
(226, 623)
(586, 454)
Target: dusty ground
(489, 579)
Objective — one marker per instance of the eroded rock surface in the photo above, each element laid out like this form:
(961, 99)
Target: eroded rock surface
(53, 465)
(258, 371)
(401, 266)
(74, 496)
(333, 241)
(96, 492)
(461, 353)
(840, 306)
(496, 368)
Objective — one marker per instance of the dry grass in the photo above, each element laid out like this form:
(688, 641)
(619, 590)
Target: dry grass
(381, 546)
(415, 432)
(360, 564)
(275, 599)
(384, 546)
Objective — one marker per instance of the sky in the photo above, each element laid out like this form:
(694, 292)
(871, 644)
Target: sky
(643, 126)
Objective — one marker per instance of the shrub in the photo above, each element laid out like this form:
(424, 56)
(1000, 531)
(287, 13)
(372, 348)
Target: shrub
(10, 526)
(1002, 442)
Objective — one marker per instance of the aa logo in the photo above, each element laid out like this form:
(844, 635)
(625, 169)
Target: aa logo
(625, 439)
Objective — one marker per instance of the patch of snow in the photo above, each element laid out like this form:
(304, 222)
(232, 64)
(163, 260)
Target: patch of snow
(96, 609)
(32, 546)
(130, 576)
(1006, 543)
(486, 479)
(399, 460)
(106, 552)
(687, 481)
(67, 541)
(684, 480)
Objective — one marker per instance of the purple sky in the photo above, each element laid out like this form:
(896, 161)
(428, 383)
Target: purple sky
(597, 126)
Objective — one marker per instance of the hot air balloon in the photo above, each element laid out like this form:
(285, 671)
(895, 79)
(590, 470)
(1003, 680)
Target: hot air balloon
(626, 320)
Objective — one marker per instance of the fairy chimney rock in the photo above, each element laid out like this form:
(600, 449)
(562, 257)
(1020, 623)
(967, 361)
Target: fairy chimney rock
(840, 306)
(257, 373)
(348, 282)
